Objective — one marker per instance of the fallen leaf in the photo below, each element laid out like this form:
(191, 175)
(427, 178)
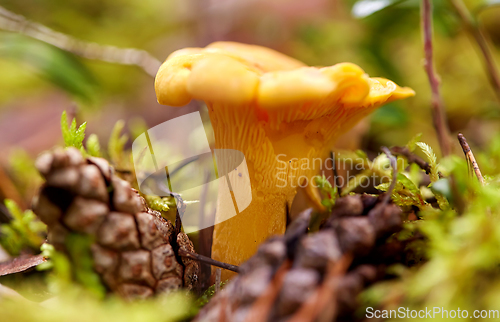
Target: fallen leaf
(21, 264)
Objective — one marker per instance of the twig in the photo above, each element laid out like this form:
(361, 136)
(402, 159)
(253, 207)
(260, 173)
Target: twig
(218, 275)
(470, 157)
(179, 211)
(413, 158)
(208, 260)
(123, 171)
(178, 222)
(472, 27)
(394, 166)
(90, 50)
(438, 109)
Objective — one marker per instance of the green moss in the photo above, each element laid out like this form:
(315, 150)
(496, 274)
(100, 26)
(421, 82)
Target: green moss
(72, 135)
(23, 232)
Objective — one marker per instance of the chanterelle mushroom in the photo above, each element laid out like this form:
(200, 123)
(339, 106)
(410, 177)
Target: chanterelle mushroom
(272, 108)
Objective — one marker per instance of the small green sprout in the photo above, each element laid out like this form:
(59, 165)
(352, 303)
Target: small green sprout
(72, 135)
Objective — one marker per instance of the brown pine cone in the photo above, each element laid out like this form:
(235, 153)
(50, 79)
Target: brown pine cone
(134, 249)
(298, 271)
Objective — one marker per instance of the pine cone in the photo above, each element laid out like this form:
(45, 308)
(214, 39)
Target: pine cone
(134, 249)
(291, 270)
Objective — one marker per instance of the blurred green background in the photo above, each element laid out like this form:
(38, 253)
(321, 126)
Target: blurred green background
(38, 81)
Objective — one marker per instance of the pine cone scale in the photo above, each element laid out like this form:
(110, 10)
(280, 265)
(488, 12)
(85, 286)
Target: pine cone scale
(356, 226)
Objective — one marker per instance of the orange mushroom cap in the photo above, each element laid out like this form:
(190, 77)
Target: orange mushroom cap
(233, 73)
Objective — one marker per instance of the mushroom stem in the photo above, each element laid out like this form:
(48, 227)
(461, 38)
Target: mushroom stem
(237, 238)
(275, 170)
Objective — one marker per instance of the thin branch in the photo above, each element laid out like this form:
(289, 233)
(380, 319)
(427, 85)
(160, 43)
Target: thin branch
(127, 56)
(412, 158)
(218, 275)
(470, 157)
(474, 30)
(438, 109)
(208, 260)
